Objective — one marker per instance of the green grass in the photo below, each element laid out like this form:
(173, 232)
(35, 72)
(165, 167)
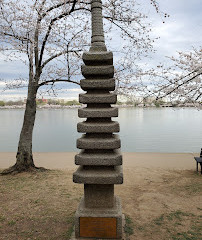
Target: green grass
(177, 215)
(12, 222)
(176, 220)
(70, 231)
(193, 188)
(174, 225)
(129, 226)
(2, 219)
(70, 222)
(159, 220)
(189, 235)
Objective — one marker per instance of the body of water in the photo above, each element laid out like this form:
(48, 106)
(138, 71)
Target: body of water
(142, 130)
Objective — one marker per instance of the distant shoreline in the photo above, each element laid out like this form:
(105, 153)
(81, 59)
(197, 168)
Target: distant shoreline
(41, 107)
(81, 106)
(65, 160)
(60, 107)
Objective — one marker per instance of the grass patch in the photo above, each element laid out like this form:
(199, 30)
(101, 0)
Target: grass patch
(188, 184)
(42, 206)
(38, 206)
(70, 231)
(129, 226)
(12, 223)
(189, 235)
(2, 219)
(177, 215)
(175, 221)
(193, 188)
(174, 225)
(70, 221)
(159, 220)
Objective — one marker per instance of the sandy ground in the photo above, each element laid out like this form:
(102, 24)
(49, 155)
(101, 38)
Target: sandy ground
(161, 196)
(65, 160)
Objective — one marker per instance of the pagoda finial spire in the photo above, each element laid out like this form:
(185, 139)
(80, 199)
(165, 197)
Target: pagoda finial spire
(97, 41)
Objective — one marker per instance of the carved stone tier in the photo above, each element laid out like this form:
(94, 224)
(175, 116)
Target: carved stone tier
(95, 58)
(99, 175)
(102, 71)
(97, 98)
(103, 84)
(99, 158)
(95, 127)
(99, 142)
(98, 112)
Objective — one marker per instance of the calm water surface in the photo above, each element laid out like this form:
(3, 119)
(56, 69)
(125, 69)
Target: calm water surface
(142, 130)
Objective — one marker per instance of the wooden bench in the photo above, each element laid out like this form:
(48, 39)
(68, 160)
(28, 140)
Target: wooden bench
(198, 160)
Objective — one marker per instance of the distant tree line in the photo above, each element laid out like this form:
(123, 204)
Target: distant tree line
(62, 102)
(11, 103)
(41, 102)
(146, 102)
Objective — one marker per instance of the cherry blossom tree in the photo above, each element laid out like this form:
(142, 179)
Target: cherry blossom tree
(48, 36)
(179, 81)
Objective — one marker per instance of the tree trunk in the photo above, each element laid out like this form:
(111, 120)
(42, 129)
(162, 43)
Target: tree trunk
(24, 157)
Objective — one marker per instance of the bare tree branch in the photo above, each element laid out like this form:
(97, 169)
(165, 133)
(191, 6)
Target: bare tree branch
(181, 78)
(59, 54)
(57, 80)
(50, 27)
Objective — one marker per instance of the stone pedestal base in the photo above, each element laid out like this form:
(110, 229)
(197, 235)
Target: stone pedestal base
(99, 223)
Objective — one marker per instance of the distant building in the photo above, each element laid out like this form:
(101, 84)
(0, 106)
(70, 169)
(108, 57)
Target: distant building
(44, 100)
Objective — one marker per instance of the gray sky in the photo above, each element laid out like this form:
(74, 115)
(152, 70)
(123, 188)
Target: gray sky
(181, 31)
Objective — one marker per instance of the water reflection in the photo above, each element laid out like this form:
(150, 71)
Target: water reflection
(142, 130)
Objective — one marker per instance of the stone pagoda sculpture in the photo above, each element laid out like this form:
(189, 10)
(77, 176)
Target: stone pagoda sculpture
(99, 213)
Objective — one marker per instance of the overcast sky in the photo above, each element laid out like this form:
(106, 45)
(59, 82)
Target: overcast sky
(181, 31)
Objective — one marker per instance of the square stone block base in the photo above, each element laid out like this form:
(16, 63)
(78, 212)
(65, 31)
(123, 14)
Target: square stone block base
(99, 223)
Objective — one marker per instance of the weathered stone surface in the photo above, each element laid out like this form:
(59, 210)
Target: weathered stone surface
(105, 71)
(114, 212)
(98, 47)
(113, 158)
(96, 4)
(98, 195)
(98, 112)
(96, 127)
(97, 98)
(86, 142)
(104, 84)
(97, 39)
(97, 58)
(98, 175)
(99, 214)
